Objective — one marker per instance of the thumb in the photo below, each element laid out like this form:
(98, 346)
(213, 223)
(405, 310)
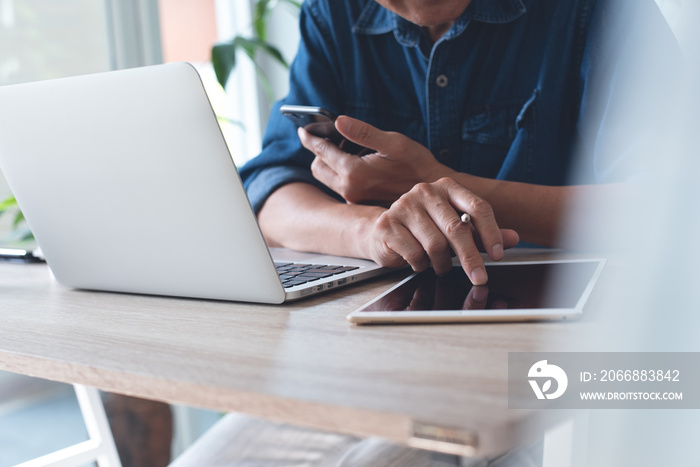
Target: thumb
(363, 133)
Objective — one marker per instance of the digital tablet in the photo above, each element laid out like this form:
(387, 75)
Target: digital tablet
(516, 291)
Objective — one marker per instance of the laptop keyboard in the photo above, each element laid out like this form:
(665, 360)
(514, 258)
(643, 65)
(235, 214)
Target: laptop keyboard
(292, 274)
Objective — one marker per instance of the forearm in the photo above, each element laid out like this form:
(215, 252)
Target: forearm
(539, 212)
(534, 211)
(301, 217)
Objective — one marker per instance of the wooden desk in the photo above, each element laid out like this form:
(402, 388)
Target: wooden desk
(300, 363)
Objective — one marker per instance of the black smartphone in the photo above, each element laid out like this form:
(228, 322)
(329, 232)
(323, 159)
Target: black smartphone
(321, 122)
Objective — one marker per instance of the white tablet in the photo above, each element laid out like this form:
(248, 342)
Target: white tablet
(516, 291)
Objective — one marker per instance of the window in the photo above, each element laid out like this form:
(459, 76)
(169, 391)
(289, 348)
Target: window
(51, 39)
(190, 28)
(45, 39)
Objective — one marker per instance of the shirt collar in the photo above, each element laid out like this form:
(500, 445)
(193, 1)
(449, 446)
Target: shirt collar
(375, 19)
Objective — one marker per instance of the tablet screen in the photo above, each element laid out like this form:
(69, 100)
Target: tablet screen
(510, 286)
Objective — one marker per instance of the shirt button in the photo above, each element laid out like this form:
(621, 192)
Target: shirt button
(441, 81)
(444, 154)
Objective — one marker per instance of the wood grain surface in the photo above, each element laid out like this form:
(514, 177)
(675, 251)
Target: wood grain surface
(299, 363)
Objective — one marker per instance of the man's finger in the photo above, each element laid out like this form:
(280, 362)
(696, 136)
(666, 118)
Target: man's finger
(331, 154)
(422, 226)
(462, 241)
(439, 206)
(323, 172)
(481, 216)
(403, 243)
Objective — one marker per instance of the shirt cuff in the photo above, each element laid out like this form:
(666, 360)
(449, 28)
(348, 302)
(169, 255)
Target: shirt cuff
(271, 178)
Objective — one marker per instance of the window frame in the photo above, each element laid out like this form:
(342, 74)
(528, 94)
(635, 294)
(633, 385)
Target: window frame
(133, 28)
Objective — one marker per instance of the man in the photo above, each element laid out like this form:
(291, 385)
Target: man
(495, 97)
(470, 106)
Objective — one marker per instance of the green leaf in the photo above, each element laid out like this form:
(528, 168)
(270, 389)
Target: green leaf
(223, 58)
(263, 10)
(247, 44)
(275, 53)
(7, 204)
(252, 45)
(19, 218)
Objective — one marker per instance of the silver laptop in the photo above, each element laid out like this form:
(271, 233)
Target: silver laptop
(128, 185)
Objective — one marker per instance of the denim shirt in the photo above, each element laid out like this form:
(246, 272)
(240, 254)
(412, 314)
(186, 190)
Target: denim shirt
(501, 94)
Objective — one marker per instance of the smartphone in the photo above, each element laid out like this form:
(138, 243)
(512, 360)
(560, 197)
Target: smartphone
(321, 122)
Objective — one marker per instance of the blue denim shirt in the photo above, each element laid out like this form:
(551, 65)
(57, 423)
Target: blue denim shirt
(502, 94)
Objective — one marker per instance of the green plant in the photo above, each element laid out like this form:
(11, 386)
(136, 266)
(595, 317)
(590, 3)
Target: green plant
(20, 232)
(223, 56)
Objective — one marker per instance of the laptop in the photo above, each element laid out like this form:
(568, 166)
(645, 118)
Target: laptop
(127, 184)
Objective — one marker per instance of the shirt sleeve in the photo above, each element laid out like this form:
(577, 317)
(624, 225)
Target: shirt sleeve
(630, 64)
(314, 80)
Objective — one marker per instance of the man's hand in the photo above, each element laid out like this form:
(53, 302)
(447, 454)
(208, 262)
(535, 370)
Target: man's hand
(381, 177)
(423, 228)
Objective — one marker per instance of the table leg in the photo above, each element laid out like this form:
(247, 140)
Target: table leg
(100, 445)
